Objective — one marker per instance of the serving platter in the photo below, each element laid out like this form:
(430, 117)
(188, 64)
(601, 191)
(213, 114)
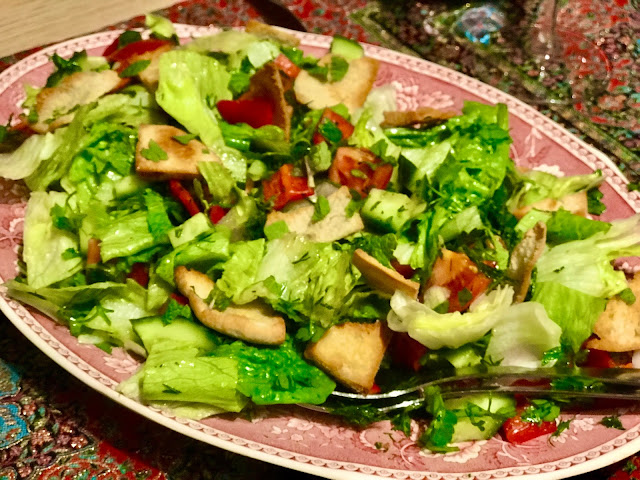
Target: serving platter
(314, 442)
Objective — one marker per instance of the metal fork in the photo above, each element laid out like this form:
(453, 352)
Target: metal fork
(576, 383)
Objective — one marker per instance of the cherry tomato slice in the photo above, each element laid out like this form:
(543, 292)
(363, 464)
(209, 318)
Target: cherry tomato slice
(406, 352)
(346, 129)
(216, 212)
(360, 170)
(256, 112)
(518, 431)
(282, 187)
(140, 273)
(457, 272)
(287, 66)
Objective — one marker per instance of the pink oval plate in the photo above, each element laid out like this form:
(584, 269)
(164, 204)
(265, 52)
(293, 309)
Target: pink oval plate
(313, 442)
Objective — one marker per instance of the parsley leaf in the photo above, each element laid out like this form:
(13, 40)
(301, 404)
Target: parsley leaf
(128, 37)
(154, 152)
(464, 296)
(562, 426)
(184, 139)
(330, 131)
(135, 68)
(65, 67)
(70, 253)
(540, 411)
(627, 296)
(594, 202)
(321, 209)
(176, 310)
(338, 68)
(612, 422)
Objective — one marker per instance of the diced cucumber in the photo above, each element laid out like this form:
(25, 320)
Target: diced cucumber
(389, 211)
(179, 333)
(479, 427)
(346, 48)
(189, 230)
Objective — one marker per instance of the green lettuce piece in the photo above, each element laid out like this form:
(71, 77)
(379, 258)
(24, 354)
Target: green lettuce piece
(189, 87)
(436, 330)
(23, 161)
(585, 265)
(241, 270)
(368, 134)
(536, 186)
(133, 106)
(423, 162)
(182, 375)
(280, 375)
(125, 236)
(464, 222)
(220, 182)
(160, 27)
(575, 312)
(193, 227)
(523, 335)
(237, 46)
(45, 245)
(245, 219)
(205, 252)
(158, 222)
(564, 226)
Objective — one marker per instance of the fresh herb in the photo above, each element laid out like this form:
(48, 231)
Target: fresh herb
(184, 139)
(464, 296)
(135, 68)
(562, 426)
(337, 68)
(330, 131)
(176, 310)
(612, 422)
(128, 37)
(321, 209)
(352, 207)
(578, 384)
(629, 467)
(169, 389)
(439, 434)
(594, 202)
(154, 152)
(65, 67)
(402, 422)
(158, 221)
(627, 296)
(540, 411)
(358, 173)
(70, 253)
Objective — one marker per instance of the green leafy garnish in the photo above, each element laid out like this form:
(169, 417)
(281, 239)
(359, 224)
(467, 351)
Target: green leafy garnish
(135, 68)
(338, 68)
(321, 209)
(128, 37)
(154, 152)
(612, 422)
(184, 139)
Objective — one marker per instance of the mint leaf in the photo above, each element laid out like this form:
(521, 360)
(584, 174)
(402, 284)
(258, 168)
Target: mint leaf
(128, 37)
(154, 152)
(627, 296)
(612, 422)
(135, 68)
(338, 68)
(321, 209)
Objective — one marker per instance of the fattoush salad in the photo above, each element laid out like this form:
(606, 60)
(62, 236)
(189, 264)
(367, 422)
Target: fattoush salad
(263, 227)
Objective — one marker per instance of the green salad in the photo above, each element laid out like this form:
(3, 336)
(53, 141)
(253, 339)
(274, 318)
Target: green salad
(263, 227)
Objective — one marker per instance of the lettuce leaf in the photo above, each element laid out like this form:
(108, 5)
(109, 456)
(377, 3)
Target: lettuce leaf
(23, 161)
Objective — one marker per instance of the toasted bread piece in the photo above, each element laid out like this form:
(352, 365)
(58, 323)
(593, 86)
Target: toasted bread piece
(334, 226)
(423, 116)
(269, 83)
(352, 90)
(574, 203)
(523, 259)
(151, 75)
(267, 31)
(54, 104)
(351, 353)
(182, 161)
(383, 278)
(618, 327)
(253, 322)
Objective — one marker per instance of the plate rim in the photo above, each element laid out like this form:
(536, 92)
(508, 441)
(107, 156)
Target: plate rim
(278, 456)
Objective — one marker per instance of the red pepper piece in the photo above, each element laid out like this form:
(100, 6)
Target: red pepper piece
(406, 352)
(216, 212)
(183, 196)
(256, 112)
(287, 66)
(373, 173)
(375, 389)
(129, 52)
(93, 251)
(282, 187)
(346, 129)
(140, 273)
(405, 270)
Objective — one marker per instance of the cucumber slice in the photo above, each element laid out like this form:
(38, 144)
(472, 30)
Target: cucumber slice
(480, 427)
(346, 48)
(179, 333)
(389, 211)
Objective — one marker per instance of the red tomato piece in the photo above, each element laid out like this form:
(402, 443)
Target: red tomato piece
(93, 251)
(360, 170)
(282, 187)
(599, 359)
(287, 66)
(406, 352)
(184, 197)
(518, 431)
(457, 272)
(140, 273)
(375, 389)
(125, 54)
(346, 129)
(216, 212)
(181, 299)
(405, 270)
(256, 112)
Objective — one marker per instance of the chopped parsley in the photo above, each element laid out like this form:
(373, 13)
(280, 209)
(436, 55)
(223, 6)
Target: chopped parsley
(184, 139)
(154, 152)
(321, 209)
(135, 68)
(612, 422)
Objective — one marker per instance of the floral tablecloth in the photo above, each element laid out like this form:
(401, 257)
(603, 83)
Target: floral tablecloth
(54, 427)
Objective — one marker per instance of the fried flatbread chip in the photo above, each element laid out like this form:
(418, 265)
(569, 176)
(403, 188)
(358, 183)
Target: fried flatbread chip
(182, 160)
(151, 75)
(575, 203)
(523, 259)
(54, 105)
(334, 226)
(271, 84)
(618, 327)
(351, 91)
(351, 353)
(253, 323)
(267, 31)
(383, 278)
(423, 116)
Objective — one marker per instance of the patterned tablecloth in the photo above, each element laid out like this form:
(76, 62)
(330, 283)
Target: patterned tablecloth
(54, 427)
